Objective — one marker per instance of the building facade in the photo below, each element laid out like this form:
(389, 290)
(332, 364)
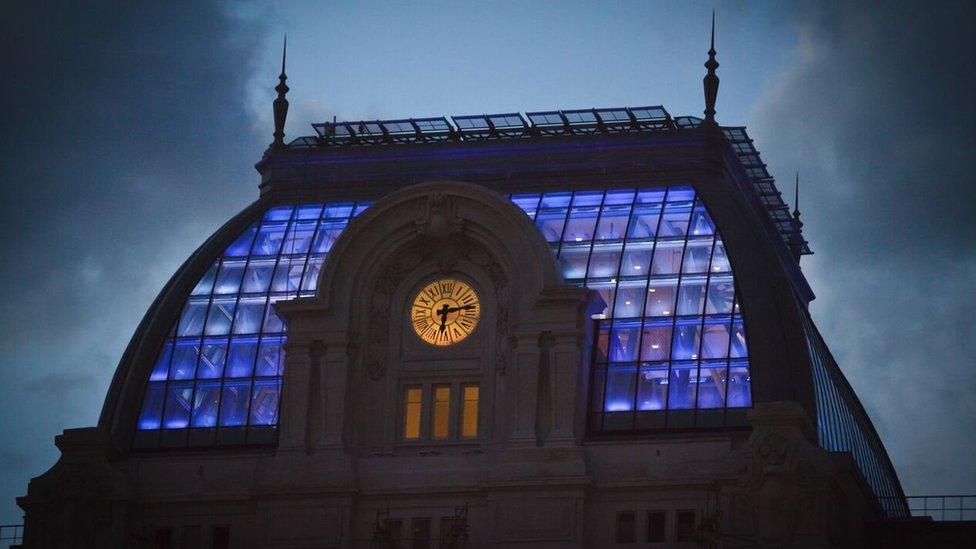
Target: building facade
(575, 328)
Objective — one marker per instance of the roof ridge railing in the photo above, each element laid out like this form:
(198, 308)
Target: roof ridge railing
(495, 126)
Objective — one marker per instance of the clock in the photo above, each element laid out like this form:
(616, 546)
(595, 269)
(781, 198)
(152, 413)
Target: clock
(445, 312)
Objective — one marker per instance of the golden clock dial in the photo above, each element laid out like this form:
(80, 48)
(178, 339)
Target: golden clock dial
(445, 312)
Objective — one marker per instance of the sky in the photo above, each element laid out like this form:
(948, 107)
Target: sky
(129, 131)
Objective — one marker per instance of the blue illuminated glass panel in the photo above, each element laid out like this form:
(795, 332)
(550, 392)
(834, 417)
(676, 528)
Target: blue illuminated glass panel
(671, 337)
(222, 365)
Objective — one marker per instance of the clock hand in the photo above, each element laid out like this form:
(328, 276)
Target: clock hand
(464, 308)
(442, 312)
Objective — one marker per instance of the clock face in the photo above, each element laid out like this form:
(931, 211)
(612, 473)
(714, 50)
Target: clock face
(445, 312)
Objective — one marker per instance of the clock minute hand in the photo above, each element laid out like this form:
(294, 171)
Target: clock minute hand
(464, 308)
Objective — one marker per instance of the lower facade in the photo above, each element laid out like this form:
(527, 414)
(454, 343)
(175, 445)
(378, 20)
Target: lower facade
(765, 485)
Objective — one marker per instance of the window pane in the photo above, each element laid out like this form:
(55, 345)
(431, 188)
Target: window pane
(624, 341)
(711, 386)
(701, 222)
(311, 277)
(270, 360)
(696, 257)
(250, 312)
(644, 221)
(469, 413)
(667, 257)
(220, 315)
(655, 526)
(339, 209)
(615, 215)
(205, 403)
(288, 275)
(152, 406)
(257, 278)
(720, 261)
(442, 411)
(279, 213)
(721, 290)
(684, 526)
(626, 527)
(233, 403)
(656, 341)
(637, 259)
(161, 368)
(630, 299)
(272, 323)
(240, 246)
(212, 357)
(240, 359)
(269, 239)
(607, 291)
(193, 317)
(583, 217)
(326, 235)
(550, 223)
(691, 297)
(604, 261)
(652, 387)
(675, 219)
(528, 203)
(412, 410)
(205, 285)
(264, 403)
(681, 386)
(229, 277)
(687, 335)
(621, 382)
(661, 296)
(176, 415)
(573, 260)
(184, 359)
(299, 237)
(603, 343)
(739, 389)
(715, 341)
(739, 349)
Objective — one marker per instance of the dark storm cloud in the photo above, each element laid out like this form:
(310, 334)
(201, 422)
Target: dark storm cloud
(876, 112)
(123, 130)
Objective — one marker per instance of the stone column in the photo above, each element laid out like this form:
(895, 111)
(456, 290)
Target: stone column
(315, 414)
(565, 367)
(525, 392)
(294, 393)
(335, 375)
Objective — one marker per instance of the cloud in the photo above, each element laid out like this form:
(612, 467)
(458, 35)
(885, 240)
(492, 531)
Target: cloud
(875, 112)
(122, 137)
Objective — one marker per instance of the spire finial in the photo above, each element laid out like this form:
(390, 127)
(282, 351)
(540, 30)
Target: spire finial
(712, 47)
(710, 81)
(796, 198)
(796, 239)
(280, 103)
(284, 53)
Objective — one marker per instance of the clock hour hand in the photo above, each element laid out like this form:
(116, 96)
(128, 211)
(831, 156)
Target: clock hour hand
(442, 312)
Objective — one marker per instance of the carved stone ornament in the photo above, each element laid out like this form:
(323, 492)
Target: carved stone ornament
(379, 308)
(439, 220)
(440, 227)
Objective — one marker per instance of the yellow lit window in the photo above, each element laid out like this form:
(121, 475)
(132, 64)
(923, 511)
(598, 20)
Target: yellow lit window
(469, 412)
(412, 399)
(442, 410)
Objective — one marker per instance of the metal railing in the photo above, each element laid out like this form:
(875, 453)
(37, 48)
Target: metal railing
(943, 508)
(11, 535)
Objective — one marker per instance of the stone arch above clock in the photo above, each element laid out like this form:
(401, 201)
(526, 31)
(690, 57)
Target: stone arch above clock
(348, 345)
